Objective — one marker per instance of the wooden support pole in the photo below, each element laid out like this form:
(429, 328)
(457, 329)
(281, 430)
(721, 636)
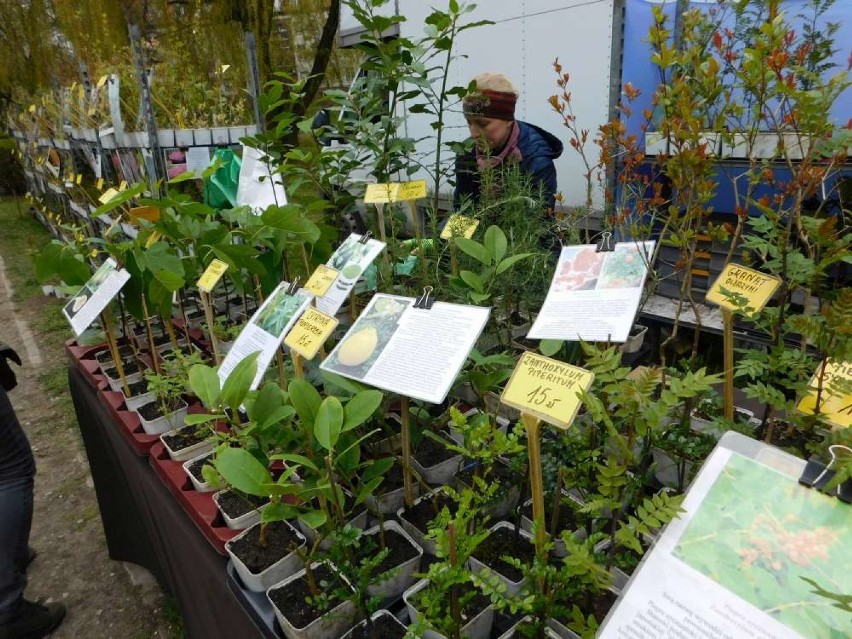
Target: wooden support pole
(728, 348)
(406, 452)
(106, 320)
(298, 365)
(533, 427)
(208, 315)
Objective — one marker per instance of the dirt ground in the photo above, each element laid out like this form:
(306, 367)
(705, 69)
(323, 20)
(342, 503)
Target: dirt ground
(72, 565)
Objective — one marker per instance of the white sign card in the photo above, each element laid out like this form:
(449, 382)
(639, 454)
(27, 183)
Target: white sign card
(414, 352)
(351, 258)
(732, 566)
(259, 187)
(94, 296)
(594, 296)
(197, 159)
(265, 331)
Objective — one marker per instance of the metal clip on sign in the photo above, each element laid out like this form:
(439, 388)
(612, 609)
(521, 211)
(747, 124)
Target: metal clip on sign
(425, 301)
(294, 286)
(817, 475)
(605, 245)
(366, 237)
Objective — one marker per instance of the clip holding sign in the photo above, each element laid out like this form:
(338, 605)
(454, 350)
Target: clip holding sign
(366, 237)
(426, 300)
(817, 475)
(605, 245)
(291, 290)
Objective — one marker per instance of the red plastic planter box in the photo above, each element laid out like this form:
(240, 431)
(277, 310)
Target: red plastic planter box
(200, 506)
(128, 422)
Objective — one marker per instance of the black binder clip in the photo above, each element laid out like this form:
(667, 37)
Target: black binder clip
(366, 237)
(426, 300)
(817, 475)
(605, 245)
(291, 290)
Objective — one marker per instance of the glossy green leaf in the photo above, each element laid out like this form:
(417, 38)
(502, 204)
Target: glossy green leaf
(237, 386)
(204, 382)
(243, 471)
(329, 422)
(474, 249)
(495, 242)
(360, 408)
(305, 399)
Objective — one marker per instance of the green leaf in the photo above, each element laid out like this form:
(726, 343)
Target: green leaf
(301, 460)
(269, 399)
(549, 347)
(329, 422)
(495, 242)
(510, 261)
(314, 518)
(377, 469)
(243, 471)
(473, 281)
(194, 419)
(204, 382)
(237, 386)
(306, 400)
(360, 408)
(475, 250)
(279, 415)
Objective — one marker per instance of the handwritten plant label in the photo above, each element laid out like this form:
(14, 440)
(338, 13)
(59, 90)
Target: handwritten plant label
(755, 286)
(310, 332)
(547, 389)
(211, 276)
(415, 190)
(459, 226)
(836, 397)
(107, 195)
(321, 280)
(381, 193)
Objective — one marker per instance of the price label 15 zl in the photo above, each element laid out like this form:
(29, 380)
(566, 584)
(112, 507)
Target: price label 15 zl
(310, 332)
(547, 389)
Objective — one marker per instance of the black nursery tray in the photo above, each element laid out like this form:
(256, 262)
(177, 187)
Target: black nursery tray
(256, 605)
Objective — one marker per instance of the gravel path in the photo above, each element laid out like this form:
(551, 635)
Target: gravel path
(72, 565)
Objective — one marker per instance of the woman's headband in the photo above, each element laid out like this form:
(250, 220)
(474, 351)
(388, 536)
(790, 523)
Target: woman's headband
(499, 105)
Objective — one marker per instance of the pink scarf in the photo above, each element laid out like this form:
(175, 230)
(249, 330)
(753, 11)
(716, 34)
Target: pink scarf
(510, 151)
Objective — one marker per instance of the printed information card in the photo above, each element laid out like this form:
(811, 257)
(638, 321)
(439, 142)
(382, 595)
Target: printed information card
(351, 259)
(265, 331)
(410, 351)
(836, 396)
(93, 298)
(734, 566)
(594, 296)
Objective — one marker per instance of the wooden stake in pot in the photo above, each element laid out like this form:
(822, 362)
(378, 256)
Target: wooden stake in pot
(728, 350)
(106, 320)
(408, 485)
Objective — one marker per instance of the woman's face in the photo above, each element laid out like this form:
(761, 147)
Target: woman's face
(490, 134)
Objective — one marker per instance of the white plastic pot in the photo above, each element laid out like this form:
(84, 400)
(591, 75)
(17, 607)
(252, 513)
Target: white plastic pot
(164, 423)
(419, 538)
(329, 626)
(288, 565)
(477, 628)
(403, 575)
(512, 633)
(559, 549)
(477, 566)
(200, 486)
(202, 447)
(241, 522)
(379, 614)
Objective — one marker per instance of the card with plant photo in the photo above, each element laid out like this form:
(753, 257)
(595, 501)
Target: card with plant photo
(82, 309)
(351, 259)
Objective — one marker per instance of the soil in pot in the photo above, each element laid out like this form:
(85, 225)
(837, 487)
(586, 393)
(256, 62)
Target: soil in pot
(568, 518)
(502, 542)
(431, 453)
(624, 559)
(474, 605)
(786, 436)
(185, 438)
(280, 541)
(195, 467)
(291, 599)
(236, 505)
(139, 387)
(383, 627)
(424, 512)
(600, 605)
(151, 411)
(399, 548)
(130, 367)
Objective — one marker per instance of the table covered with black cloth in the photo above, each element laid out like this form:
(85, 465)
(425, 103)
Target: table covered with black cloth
(145, 525)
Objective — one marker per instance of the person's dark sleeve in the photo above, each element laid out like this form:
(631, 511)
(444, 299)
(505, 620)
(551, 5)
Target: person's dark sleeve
(543, 174)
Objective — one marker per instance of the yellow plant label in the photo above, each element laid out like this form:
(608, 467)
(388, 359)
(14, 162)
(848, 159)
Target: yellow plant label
(79, 179)
(836, 397)
(100, 183)
(32, 108)
(107, 195)
(102, 81)
(381, 193)
(122, 186)
(310, 332)
(321, 280)
(459, 226)
(149, 213)
(755, 286)
(211, 276)
(415, 190)
(547, 389)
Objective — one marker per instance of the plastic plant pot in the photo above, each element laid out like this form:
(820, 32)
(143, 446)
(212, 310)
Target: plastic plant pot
(200, 486)
(549, 633)
(285, 567)
(403, 575)
(477, 628)
(380, 615)
(188, 452)
(242, 521)
(477, 566)
(164, 423)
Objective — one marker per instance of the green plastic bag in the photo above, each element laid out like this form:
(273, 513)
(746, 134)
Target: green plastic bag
(220, 188)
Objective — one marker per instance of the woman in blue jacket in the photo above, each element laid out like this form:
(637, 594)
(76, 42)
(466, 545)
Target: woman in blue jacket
(501, 139)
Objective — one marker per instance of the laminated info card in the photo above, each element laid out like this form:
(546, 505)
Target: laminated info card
(594, 296)
(414, 352)
(734, 566)
(264, 332)
(93, 298)
(351, 258)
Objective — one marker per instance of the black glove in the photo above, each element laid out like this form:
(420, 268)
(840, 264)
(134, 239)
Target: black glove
(7, 375)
